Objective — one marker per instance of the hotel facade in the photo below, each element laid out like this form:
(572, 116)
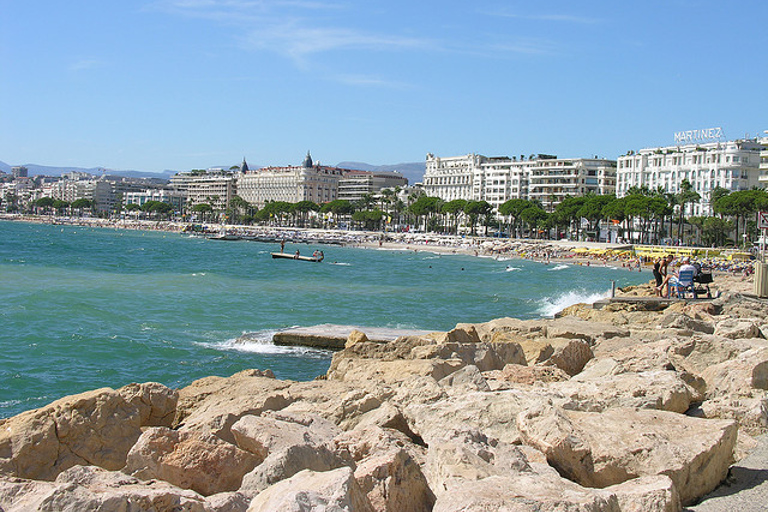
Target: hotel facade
(732, 165)
(311, 182)
(496, 180)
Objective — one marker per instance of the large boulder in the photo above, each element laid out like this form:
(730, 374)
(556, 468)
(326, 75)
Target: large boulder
(738, 376)
(570, 355)
(655, 493)
(525, 492)
(93, 428)
(262, 435)
(155, 402)
(608, 448)
(214, 404)
(738, 328)
(83, 488)
(513, 375)
(589, 331)
(492, 413)
(335, 490)
(190, 460)
(283, 464)
(388, 468)
(663, 390)
(470, 455)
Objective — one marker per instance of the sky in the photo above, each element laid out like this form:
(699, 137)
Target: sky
(154, 85)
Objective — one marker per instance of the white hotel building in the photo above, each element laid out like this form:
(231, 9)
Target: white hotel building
(732, 165)
(498, 179)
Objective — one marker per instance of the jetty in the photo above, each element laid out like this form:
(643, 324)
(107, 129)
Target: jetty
(288, 256)
(333, 337)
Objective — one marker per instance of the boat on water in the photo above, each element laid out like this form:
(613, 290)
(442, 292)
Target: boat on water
(288, 256)
(224, 236)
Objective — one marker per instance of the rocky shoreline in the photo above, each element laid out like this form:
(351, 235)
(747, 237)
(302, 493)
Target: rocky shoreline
(617, 409)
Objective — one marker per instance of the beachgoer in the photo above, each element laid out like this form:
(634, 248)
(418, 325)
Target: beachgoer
(674, 278)
(296, 256)
(657, 275)
(282, 245)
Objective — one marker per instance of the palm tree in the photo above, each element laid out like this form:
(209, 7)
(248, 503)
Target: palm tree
(684, 196)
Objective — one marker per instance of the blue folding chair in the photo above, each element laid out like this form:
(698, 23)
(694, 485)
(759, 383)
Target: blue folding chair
(682, 283)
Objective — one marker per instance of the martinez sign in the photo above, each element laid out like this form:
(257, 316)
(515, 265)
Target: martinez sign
(699, 135)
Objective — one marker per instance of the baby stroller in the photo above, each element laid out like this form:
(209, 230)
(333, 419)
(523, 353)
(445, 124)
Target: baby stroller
(701, 281)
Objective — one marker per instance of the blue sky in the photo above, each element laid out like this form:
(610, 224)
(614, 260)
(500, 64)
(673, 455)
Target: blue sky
(182, 84)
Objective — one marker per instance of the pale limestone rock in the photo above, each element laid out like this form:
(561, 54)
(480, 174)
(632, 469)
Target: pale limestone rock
(84, 488)
(589, 331)
(633, 354)
(387, 416)
(464, 334)
(93, 428)
(514, 374)
(536, 350)
(486, 356)
(487, 330)
(525, 492)
(750, 412)
(190, 460)
(355, 337)
(700, 352)
(264, 435)
(685, 323)
(468, 378)
(602, 449)
(387, 467)
(647, 494)
(332, 491)
(570, 355)
(282, 464)
(155, 402)
(662, 390)
(736, 377)
(470, 455)
(389, 372)
(492, 413)
(214, 404)
(227, 502)
(735, 328)
(393, 482)
(338, 402)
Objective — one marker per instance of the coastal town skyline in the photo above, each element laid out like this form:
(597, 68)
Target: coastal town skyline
(171, 85)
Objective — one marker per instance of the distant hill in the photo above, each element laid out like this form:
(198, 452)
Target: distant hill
(47, 170)
(414, 171)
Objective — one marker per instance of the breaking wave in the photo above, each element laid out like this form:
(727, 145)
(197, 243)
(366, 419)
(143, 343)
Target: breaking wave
(550, 306)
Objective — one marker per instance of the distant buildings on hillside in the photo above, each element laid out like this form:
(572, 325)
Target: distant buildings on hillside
(309, 181)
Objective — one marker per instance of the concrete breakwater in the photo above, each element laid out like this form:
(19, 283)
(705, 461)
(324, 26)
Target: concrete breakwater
(612, 409)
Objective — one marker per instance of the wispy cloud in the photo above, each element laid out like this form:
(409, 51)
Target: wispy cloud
(84, 65)
(297, 41)
(560, 18)
(369, 81)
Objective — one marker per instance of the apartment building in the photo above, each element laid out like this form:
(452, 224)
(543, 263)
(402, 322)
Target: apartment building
(355, 185)
(498, 179)
(732, 165)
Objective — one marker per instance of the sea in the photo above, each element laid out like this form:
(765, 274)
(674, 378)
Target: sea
(83, 308)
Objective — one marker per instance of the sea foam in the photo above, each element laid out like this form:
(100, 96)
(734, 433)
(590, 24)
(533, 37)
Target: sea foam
(550, 306)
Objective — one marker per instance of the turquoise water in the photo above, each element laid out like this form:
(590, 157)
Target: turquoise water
(82, 308)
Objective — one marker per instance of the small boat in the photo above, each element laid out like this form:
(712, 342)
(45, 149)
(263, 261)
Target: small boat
(224, 236)
(288, 256)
